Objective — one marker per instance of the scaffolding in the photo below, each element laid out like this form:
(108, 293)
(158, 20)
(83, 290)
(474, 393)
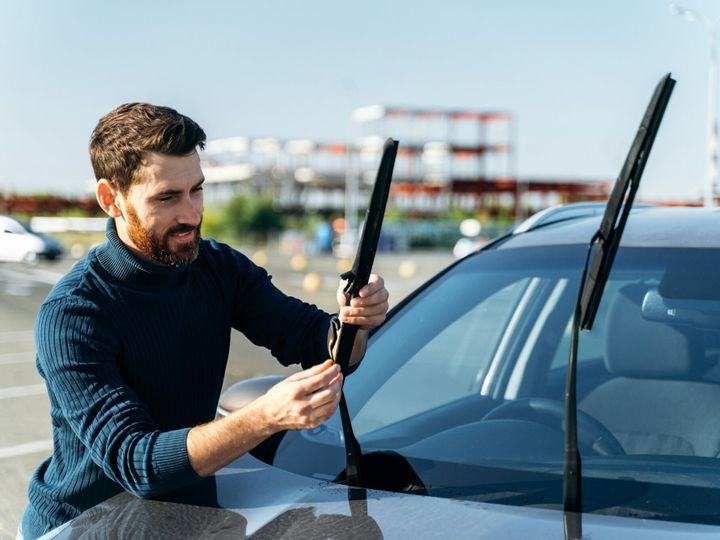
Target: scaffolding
(452, 158)
(448, 158)
(442, 151)
(300, 175)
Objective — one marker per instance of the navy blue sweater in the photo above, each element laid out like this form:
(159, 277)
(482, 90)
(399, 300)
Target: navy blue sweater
(134, 355)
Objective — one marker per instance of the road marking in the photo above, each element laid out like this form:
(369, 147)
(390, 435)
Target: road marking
(26, 448)
(46, 276)
(32, 275)
(22, 391)
(26, 357)
(17, 336)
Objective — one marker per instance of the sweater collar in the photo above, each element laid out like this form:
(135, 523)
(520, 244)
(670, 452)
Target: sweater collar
(121, 263)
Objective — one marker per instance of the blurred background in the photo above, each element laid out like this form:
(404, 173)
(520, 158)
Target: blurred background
(501, 108)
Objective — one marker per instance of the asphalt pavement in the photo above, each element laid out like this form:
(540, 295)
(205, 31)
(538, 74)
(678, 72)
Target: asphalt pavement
(25, 434)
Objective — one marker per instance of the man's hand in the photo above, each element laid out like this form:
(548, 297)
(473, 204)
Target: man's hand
(369, 309)
(304, 400)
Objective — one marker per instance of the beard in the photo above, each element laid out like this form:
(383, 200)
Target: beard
(157, 247)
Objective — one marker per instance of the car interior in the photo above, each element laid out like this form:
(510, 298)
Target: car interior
(656, 401)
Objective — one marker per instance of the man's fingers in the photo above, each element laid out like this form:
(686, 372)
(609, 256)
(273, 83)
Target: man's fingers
(319, 381)
(310, 372)
(352, 311)
(375, 283)
(337, 380)
(322, 413)
(366, 323)
(322, 397)
(372, 293)
(366, 317)
(377, 298)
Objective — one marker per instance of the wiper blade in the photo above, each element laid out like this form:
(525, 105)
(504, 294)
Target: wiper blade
(607, 238)
(603, 246)
(358, 277)
(359, 273)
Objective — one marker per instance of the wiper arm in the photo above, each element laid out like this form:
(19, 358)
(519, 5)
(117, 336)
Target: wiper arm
(603, 246)
(358, 277)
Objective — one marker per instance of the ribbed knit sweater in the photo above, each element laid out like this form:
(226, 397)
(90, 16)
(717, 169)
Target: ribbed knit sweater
(133, 356)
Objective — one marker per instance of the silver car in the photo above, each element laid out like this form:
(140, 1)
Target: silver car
(458, 406)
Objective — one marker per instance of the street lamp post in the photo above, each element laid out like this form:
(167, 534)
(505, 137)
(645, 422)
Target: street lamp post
(711, 172)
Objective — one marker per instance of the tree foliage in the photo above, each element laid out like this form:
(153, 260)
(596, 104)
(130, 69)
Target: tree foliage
(251, 218)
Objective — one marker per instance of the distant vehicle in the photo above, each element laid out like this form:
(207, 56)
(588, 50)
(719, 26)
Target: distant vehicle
(19, 243)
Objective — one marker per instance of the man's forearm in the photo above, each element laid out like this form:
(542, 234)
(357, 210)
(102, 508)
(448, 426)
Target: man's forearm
(213, 445)
(302, 401)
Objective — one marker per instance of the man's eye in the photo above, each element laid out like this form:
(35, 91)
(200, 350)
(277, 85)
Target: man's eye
(198, 188)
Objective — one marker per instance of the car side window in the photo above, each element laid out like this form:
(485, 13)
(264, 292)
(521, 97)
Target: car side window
(445, 368)
(13, 228)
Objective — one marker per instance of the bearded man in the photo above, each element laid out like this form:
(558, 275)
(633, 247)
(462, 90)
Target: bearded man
(133, 341)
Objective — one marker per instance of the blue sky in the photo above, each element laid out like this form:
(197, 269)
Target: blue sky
(577, 74)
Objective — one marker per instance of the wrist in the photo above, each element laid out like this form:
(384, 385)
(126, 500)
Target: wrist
(259, 415)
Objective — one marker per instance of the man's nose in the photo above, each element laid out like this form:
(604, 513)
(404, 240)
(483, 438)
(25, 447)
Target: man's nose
(191, 210)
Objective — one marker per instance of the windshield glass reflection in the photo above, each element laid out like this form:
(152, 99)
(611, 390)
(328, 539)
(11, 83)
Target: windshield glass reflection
(466, 384)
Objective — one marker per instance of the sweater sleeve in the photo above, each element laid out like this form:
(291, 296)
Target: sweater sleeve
(293, 330)
(77, 355)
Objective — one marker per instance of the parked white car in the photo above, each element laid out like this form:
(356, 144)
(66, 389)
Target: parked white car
(19, 243)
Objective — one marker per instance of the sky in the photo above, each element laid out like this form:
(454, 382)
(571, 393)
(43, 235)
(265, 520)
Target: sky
(577, 75)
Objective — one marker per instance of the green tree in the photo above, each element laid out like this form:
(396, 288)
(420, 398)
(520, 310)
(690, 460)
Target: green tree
(251, 218)
(213, 224)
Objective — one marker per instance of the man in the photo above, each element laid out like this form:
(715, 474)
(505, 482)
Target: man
(133, 341)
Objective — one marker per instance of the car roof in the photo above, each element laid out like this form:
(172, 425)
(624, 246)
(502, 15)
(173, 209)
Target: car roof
(649, 226)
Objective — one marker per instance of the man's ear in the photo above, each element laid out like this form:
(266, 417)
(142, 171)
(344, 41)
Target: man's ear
(107, 197)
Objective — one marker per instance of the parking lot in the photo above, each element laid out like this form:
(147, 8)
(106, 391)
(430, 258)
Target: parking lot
(25, 435)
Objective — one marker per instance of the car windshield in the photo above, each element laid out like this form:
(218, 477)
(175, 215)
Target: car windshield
(16, 225)
(461, 391)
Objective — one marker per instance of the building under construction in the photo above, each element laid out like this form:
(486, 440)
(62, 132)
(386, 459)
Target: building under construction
(448, 158)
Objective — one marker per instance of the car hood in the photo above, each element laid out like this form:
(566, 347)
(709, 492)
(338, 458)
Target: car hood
(251, 499)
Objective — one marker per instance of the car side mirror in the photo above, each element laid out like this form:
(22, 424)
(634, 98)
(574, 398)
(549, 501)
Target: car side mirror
(241, 393)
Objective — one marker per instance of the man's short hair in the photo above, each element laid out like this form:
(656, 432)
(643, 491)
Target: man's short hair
(123, 136)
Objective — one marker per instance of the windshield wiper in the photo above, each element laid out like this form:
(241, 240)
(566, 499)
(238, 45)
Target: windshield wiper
(357, 277)
(603, 247)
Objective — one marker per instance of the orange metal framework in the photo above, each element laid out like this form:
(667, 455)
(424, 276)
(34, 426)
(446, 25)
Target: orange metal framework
(447, 158)
(481, 185)
(457, 153)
